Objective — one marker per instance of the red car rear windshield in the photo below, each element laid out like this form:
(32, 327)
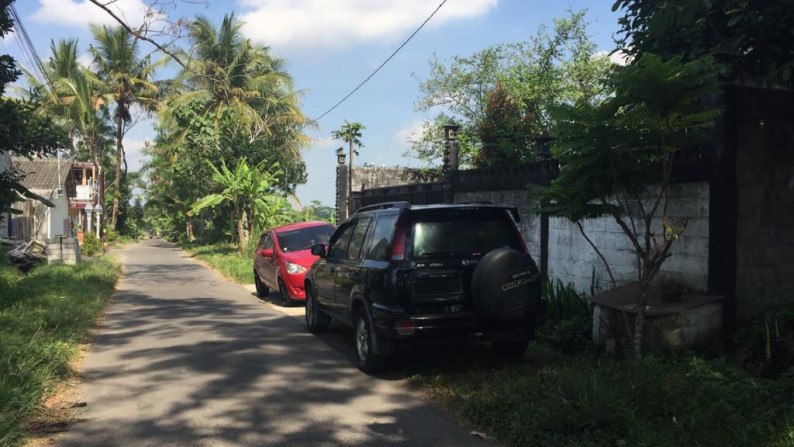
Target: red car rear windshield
(304, 238)
(461, 233)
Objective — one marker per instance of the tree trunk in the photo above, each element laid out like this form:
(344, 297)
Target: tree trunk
(242, 239)
(117, 178)
(189, 229)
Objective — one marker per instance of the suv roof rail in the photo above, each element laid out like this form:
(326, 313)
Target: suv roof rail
(476, 202)
(384, 205)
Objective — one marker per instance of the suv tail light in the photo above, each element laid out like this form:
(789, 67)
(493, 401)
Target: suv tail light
(404, 327)
(398, 247)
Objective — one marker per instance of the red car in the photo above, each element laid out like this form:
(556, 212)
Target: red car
(283, 256)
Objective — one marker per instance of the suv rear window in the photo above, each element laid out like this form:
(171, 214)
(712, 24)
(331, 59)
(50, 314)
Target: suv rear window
(461, 233)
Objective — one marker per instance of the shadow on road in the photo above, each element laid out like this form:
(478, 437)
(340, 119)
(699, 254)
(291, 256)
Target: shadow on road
(185, 359)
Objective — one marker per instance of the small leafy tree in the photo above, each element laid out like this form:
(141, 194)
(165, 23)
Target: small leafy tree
(617, 157)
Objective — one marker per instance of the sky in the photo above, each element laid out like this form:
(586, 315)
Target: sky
(330, 47)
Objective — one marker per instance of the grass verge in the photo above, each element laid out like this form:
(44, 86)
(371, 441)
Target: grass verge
(226, 259)
(554, 399)
(44, 316)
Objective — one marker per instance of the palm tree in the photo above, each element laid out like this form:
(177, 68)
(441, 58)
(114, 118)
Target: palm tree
(350, 133)
(127, 77)
(230, 75)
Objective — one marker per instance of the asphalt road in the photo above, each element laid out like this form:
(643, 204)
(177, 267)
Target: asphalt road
(185, 358)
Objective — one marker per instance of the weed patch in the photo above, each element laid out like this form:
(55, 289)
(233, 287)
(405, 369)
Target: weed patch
(553, 399)
(226, 259)
(44, 316)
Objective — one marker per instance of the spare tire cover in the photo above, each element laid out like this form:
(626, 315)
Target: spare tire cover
(505, 285)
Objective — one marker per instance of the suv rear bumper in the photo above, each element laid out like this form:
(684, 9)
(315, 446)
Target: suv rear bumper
(386, 320)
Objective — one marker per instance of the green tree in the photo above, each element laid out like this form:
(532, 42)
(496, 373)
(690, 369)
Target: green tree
(505, 132)
(230, 75)
(127, 77)
(616, 157)
(22, 131)
(751, 41)
(551, 68)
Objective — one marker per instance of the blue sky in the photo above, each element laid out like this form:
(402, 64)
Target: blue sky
(331, 46)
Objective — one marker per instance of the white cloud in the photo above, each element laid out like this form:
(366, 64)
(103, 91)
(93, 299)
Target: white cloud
(83, 12)
(135, 158)
(324, 143)
(9, 37)
(317, 24)
(85, 59)
(618, 57)
(410, 132)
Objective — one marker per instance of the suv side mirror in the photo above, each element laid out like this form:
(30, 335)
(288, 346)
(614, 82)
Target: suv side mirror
(267, 253)
(320, 250)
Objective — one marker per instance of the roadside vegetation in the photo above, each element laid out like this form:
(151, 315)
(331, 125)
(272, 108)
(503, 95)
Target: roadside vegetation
(44, 318)
(557, 399)
(226, 259)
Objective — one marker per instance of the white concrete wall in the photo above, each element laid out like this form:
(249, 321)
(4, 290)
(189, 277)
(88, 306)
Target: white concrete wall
(57, 215)
(573, 260)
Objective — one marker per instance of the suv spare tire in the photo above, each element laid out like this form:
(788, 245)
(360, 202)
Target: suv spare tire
(505, 287)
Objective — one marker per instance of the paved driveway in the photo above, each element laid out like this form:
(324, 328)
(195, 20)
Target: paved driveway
(186, 358)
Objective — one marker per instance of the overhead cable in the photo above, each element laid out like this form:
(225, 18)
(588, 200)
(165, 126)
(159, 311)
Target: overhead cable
(376, 70)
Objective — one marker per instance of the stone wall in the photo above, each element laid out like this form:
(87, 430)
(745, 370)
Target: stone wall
(369, 177)
(763, 134)
(571, 259)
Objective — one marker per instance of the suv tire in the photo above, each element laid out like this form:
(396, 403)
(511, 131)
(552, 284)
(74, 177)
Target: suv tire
(511, 349)
(261, 289)
(316, 321)
(364, 338)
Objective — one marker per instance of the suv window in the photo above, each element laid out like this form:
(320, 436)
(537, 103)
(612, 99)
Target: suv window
(381, 238)
(339, 243)
(357, 241)
(467, 233)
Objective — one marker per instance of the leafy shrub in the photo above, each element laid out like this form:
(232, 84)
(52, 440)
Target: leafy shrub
(91, 244)
(570, 318)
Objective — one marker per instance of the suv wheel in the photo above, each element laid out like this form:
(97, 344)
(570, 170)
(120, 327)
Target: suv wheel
(366, 358)
(261, 289)
(283, 295)
(316, 321)
(511, 349)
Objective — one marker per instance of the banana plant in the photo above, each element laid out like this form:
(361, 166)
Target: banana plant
(250, 192)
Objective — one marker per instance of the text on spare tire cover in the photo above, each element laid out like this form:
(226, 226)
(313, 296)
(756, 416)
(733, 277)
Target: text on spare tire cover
(519, 279)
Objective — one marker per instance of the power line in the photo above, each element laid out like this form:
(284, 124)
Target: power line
(376, 70)
(32, 54)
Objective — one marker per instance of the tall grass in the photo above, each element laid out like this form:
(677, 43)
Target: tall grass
(226, 259)
(570, 317)
(44, 316)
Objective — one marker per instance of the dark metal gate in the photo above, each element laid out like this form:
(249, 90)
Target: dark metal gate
(421, 194)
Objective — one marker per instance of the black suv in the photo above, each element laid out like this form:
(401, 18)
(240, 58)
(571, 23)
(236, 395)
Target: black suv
(398, 273)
